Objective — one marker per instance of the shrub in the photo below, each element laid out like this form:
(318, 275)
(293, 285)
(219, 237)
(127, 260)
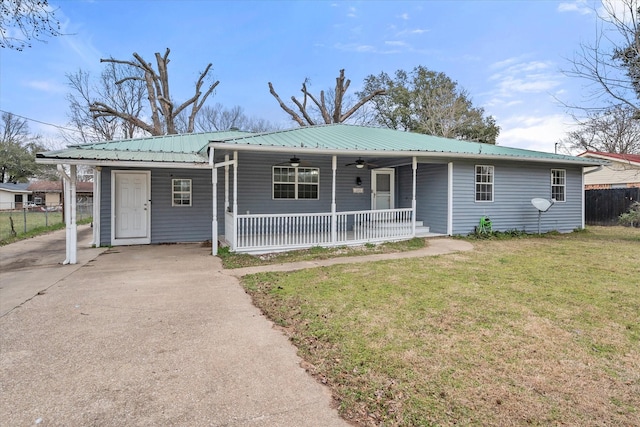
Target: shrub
(632, 216)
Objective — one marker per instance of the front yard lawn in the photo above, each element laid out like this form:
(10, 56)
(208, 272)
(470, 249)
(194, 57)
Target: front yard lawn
(528, 331)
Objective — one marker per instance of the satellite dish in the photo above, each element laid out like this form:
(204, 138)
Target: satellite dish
(542, 205)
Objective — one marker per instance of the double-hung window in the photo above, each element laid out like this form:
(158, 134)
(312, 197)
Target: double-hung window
(484, 183)
(295, 182)
(180, 192)
(558, 184)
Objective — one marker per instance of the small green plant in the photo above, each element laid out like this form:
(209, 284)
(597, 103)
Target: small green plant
(632, 216)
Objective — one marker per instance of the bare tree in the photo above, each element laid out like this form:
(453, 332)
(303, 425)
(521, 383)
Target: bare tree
(611, 64)
(22, 21)
(219, 118)
(127, 97)
(615, 131)
(163, 109)
(328, 112)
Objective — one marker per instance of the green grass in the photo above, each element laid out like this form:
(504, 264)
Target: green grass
(36, 223)
(520, 331)
(234, 260)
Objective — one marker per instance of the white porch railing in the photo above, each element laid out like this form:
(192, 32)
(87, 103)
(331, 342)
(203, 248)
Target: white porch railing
(268, 232)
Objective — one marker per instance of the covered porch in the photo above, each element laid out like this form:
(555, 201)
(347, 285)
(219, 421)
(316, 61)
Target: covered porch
(260, 232)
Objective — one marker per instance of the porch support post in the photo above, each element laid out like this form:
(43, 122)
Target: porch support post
(235, 198)
(334, 218)
(70, 214)
(214, 187)
(226, 183)
(97, 184)
(414, 165)
(450, 199)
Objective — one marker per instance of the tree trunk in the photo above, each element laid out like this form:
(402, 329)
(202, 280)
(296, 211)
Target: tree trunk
(325, 116)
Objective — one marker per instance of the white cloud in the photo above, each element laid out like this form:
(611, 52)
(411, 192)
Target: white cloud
(354, 47)
(538, 133)
(515, 77)
(414, 31)
(579, 6)
(46, 86)
(405, 16)
(352, 12)
(395, 43)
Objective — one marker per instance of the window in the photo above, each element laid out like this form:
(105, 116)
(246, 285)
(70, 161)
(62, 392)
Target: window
(484, 183)
(558, 184)
(295, 183)
(180, 192)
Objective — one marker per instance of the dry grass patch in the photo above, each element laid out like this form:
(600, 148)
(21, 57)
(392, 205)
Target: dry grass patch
(235, 260)
(517, 332)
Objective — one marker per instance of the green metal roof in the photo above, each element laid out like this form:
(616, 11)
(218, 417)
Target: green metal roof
(359, 139)
(182, 148)
(324, 139)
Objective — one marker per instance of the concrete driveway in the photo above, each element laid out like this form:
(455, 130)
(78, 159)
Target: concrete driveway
(141, 336)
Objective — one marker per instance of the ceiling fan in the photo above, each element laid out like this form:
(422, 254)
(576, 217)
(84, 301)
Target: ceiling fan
(361, 163)
(294, 162)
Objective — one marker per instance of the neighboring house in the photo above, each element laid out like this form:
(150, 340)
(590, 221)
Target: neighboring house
(14, 196)
(318, 186)
(623, 171)
(49, 193)
(611, 189)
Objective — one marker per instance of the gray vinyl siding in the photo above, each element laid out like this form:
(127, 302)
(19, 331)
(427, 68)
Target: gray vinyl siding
(169, 224)
(105, 207)
(404, 186)
(515, 184)
(431, 196)
(255, 186)
(180, 223)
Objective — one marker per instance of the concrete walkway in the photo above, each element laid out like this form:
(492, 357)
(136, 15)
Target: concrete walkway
(435, 247)
(147, 335)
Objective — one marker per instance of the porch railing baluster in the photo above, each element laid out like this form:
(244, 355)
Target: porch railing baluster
(257, 232)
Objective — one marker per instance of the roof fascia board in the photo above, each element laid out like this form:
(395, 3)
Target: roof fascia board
(120, 163)
(419, 154)
(16, 191)
(610, 158)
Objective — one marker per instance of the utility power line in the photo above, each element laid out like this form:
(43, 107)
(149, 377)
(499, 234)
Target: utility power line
(41, 122)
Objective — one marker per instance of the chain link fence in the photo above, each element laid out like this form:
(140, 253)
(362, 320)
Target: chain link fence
(18, 221)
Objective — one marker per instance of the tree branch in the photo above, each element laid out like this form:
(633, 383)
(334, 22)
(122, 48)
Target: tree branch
(292, 113)
(360, 103)
(102, 110)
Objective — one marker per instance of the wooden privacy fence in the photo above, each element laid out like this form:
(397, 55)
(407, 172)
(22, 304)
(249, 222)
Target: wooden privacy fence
(603, 207)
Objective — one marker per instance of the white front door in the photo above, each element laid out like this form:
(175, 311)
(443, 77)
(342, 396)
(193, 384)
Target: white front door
(130, 222)
(382, 185)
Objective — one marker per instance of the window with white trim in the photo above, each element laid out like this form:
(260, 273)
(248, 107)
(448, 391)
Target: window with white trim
(484, 183)
(180, 192)
(296, 183)
(558, 184)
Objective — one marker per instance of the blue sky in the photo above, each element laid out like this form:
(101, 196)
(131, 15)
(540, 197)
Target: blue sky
(507, 54)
